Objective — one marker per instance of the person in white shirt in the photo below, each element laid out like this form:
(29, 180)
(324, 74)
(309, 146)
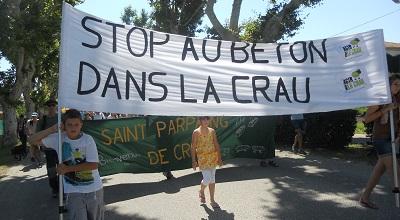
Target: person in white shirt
(82, 183)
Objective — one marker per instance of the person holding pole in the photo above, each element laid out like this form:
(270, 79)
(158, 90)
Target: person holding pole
(206, 155)
(79, 167)
(381, 135)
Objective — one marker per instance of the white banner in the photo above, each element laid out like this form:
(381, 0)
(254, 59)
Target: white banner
(119, 68)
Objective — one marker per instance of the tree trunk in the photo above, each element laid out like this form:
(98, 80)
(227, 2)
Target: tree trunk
(272, 30)
(10, 125)
(234, 21)
(29, 104)
(25, 69)
(225, 33)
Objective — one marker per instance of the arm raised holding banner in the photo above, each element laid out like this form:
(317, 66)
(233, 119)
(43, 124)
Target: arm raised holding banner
(36, 139)
(376, 111)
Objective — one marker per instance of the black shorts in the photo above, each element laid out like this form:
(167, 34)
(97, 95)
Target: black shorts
(298, 124)
(383, 147)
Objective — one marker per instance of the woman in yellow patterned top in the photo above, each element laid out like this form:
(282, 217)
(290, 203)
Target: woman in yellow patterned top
(207, 156)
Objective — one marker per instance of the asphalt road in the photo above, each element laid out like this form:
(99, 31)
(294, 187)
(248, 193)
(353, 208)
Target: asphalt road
(303, 187)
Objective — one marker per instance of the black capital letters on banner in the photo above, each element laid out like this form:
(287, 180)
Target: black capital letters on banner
(115, 34)
(294, 84)
(128, 41)
(152, 42)
(323, 57)
(233, 48)
(234, 78)
(203, 50)
(183, 99)
(278, 51)
(83, 23)
(281, 85)
(80, 91)
(189, 41)
(304, 44)
(261, 89)
(112, 75)
(141, 92)
(158, 85)
(253, 54)
(210, 86)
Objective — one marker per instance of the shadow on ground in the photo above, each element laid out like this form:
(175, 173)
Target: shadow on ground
(301, 185)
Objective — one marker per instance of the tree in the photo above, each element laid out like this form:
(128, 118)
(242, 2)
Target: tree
(171, 16)
(280, 20)
(30, 31)
(130, 16)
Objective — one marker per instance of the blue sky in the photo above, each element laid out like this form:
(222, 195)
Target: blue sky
(330, 18)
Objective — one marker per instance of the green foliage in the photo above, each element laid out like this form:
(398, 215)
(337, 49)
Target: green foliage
(171, 16)
(326, 130)
(212, 33)
(361, 111)
(20, 109)
(7, 80)
(35, 28)
(177, 16)
(131, 16)
(284, 15)
(360, 128)
(30, 40)
(252, 31)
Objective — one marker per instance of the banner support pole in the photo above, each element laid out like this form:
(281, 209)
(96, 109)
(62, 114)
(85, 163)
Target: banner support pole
(395, 174)
(61, 208)
(60, 177)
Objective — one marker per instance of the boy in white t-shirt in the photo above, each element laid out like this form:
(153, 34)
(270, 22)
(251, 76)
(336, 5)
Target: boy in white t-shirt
(82, 183)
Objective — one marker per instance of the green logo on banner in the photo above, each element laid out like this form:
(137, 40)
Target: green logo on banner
(353, 49)
(354, 82)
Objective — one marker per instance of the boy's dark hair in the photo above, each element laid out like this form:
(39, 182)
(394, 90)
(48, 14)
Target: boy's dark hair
(71, 113)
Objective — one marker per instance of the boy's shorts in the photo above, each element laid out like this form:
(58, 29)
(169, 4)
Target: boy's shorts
(85, 205)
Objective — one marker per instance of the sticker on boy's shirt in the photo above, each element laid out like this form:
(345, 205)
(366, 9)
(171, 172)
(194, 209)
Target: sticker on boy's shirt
(74, 157)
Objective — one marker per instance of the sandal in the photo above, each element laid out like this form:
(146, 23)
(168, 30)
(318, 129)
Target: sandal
(202, 197)
(368, 204)
(214, 205)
